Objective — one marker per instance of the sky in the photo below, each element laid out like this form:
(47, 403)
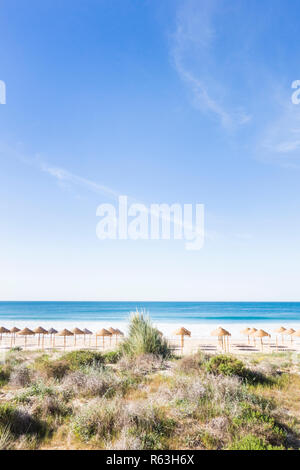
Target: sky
(170, 101)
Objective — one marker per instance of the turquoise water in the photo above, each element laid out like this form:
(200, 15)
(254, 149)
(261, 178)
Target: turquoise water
(160, 312)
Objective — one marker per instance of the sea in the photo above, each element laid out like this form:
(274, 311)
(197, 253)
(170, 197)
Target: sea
(199, 317)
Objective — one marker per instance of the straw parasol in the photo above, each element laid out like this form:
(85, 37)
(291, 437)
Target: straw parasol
(296, 334)
(246, 332)
(26, 332)
(118, 333)
(52, 332)
(87, 332)
(102, 333)
(13, 332)
(290, 332)
(2, 331)
(261, 334)
(65, 333)
(41, 331)
(251, 333)
(221, 333)
(113, 332)
(281, 330)
(182, 332)
(76, 332)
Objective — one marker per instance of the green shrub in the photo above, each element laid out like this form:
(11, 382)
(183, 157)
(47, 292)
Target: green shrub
(111, 357)
(144, 338)
(81, 358)
(13, 358)
(48, 406)
(251, 442)
(191, 364)
(20, 422)
(251, 414)
(263, 424)
(37, 389)
(97, 419)
(226, 365)
(21, 376)
(149, 423)
(4, 375)
(91, 381)
(54, 369)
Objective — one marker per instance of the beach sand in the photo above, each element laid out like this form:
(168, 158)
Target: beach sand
(191, 344)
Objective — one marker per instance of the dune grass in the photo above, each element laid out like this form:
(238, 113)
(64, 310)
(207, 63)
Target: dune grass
(144, 338)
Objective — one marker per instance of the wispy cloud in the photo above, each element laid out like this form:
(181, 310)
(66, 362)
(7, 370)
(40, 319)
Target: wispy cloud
(62, 175)
(280, 141)
(192, 51)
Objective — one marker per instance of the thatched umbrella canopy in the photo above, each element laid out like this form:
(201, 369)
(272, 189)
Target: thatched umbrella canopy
(118, 333)
(41, 331)
(52, 332)
(261, 334)
(87, 332)
(251, 333)
(76, 332)
(296, 334)
(26, 332)
(65, 333)
(102, 333)
(246, 332)
(221, 333)
(113, 332)
(290, 333)
(182, 332)
(281, 330)
(2, 331)
(13, 332)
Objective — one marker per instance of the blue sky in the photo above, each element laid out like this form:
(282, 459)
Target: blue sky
(176, 101)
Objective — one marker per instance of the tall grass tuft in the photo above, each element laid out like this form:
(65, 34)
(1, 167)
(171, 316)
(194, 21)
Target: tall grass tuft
(144, 338)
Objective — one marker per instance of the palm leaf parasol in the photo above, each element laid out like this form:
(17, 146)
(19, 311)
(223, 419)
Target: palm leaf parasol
(182, 332)
(102, 333)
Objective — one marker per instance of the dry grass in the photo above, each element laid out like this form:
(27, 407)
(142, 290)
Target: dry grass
(52, 402)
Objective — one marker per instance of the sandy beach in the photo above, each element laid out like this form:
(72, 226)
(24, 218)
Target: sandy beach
(237, 345)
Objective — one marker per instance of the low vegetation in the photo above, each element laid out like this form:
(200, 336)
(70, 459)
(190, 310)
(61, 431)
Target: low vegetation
(139, 397)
